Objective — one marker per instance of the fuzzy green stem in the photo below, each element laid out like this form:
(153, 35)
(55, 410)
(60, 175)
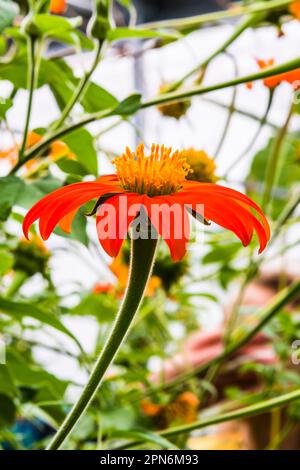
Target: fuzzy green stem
(142, 259)
(31, 83)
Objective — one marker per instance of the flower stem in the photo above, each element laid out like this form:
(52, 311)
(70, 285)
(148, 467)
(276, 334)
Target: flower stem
(31, 83)
(240, 28)
(195, 21)
(141, 263)
(252, 410)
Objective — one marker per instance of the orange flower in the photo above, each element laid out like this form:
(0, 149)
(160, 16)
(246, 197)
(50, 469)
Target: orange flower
(13, 152)
(58, 6)
(181, 410)
(57, 150)
(294, 8)
(292, 77)
(103, 288)
(154, 184)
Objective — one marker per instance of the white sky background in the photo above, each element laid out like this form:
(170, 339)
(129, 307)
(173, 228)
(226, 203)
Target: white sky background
(201, 129)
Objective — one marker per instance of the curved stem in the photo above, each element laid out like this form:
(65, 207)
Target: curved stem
(198, 20)
(252, 410)
(241, 27)
(141, 263)
(161, 99)
(31, 83)
(17, 282)
(256, 135)
(80, 89)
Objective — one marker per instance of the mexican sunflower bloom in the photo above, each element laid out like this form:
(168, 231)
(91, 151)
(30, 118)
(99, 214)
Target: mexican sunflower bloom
(155, 184)
(58, 6)
(294, 8)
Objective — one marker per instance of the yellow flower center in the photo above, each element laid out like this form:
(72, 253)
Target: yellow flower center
(161, 172)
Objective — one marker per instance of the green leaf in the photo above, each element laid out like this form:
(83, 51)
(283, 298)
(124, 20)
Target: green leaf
(8, 12)
(52, 25)
(127, 33)
(32, 192)
(288, 174)
(10, 187)
(7, 386)
(101, 306)
(19, 310)
(78, 231)
(71, 166)
(81, 143)
(6, 261)
(130, 105)
(5, 105)
(8, 411)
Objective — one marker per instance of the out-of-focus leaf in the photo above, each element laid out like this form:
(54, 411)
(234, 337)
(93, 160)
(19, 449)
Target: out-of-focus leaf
(63, 84)
(33, 192)
(61, 80)
(8, 12)
(287, 176)
(10, 187)
(222, 253)
(7, 411)
(19, 310)
(81, 143)
(52, 25)
(7, 386)
(6, 261)
(5, 104)
(101, 306)
(127, 33)
(79, 228)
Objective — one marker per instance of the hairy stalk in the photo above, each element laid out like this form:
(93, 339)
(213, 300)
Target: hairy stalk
(141, 263)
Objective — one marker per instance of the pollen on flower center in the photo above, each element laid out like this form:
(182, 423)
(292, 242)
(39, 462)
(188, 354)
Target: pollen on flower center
(161, 172)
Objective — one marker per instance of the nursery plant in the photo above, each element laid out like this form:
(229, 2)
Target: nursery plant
(143, 213)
